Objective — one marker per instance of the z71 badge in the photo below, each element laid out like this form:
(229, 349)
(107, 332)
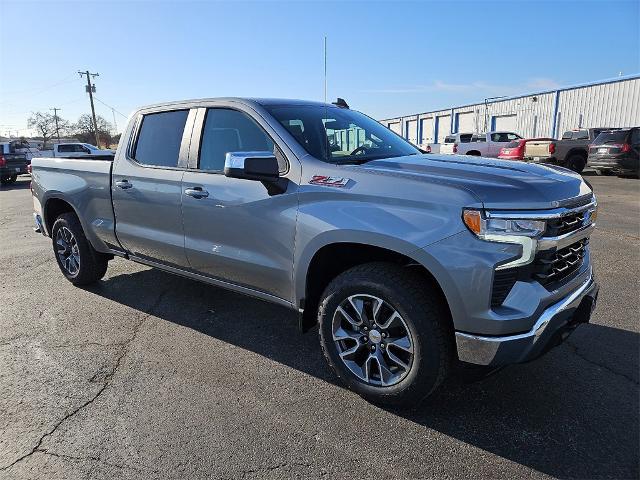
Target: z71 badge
(329, 181)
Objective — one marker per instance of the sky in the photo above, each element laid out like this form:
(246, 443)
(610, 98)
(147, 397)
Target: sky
(386, 58)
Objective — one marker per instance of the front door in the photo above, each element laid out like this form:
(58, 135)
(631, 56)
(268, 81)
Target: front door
(234, 229)
(147, 189)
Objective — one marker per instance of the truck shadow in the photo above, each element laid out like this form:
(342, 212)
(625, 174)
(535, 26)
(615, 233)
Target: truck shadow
(570, 414)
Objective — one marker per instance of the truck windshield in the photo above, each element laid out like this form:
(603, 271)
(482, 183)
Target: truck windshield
(339, 135)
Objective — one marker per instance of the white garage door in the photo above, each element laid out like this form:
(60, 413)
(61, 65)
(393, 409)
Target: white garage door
(443, 127)
(426, 131)
(504, 123)
(412, 131)
(396, 127)
(465, 122)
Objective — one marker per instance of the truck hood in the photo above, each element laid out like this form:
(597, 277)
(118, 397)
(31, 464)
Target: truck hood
(497, 184)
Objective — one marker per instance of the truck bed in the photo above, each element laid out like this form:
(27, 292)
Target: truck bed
(86, 185)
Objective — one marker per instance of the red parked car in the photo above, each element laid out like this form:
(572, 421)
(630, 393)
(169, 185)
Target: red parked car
(515, 150)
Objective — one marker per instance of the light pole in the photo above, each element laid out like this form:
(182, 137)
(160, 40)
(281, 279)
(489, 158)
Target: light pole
(486, 110)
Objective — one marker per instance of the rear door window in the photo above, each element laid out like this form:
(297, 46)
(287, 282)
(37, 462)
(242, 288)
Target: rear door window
(227, 131)
(465, 137)
(450, 139)
(160, 138)
(567, 135)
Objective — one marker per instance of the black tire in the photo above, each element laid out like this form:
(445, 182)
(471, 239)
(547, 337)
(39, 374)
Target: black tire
(9, 179)
(576, 162)
(92, 264)
(424, 313)
(473, 153)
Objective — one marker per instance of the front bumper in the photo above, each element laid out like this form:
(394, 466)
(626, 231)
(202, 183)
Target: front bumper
(554, 325)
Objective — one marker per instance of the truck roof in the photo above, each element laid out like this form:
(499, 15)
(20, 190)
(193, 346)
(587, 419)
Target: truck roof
(245, 100)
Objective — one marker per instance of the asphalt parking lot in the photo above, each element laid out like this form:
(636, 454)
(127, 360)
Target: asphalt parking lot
(149, 375)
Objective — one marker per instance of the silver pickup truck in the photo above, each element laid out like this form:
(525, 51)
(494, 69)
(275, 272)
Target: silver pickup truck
(409, 263)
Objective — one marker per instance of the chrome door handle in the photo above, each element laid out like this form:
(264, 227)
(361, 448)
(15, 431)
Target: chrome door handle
(196, 192)
(123, 184)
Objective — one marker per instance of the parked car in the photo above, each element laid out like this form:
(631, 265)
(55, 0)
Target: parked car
(616, 151)
(12, 164)
(74, 150)
(571, 151)
(515, 150)
(485, 144)
(451, 142)
(408, 262)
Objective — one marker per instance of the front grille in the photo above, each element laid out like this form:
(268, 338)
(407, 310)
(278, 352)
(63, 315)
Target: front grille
(553, 266)
(565, 224)
(503, 282)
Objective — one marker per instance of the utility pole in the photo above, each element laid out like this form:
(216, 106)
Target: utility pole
(90, 90)
(55, 115)
(115, 125)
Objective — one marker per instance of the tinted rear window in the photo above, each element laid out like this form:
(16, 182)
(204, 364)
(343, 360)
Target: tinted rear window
(160, 137)
(450, 139)
(513, 144)
(465, 137)
(618, 136)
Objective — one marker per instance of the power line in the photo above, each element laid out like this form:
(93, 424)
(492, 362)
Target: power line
(109, 106)
(38, 90)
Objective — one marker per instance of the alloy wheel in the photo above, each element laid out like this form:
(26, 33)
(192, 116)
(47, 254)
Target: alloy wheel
(67, 250)
(373, 340)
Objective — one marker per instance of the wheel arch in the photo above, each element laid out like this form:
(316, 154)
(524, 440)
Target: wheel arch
(332, 258)
(53, 207)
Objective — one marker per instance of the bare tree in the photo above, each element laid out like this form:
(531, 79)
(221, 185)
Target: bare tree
(44, 123)
(83, 129)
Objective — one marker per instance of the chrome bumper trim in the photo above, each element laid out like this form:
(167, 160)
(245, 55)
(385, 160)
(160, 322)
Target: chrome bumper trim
(518, 348)
(546, 243)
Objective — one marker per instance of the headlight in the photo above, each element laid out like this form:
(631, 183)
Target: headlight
(486, 228)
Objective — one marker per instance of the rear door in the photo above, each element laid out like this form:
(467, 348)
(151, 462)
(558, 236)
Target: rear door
(236, 230)
(147, 187)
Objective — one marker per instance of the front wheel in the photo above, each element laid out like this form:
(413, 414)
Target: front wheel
(79, 262)
(8, 179)
(385, 334)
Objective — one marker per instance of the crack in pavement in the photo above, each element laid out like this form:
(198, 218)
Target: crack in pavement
(89, 458)
(574, 348)
(106, 381)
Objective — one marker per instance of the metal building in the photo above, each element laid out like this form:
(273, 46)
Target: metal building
(608, 103)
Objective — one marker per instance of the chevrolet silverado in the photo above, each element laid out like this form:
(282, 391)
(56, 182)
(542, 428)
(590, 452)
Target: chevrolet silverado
(408, 263)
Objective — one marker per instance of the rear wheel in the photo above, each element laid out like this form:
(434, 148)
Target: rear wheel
(576, 163)
(8, 179)
(385, 334)
(79, 262)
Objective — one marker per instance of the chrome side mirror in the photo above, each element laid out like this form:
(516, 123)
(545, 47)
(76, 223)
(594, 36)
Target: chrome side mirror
(260, 166)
